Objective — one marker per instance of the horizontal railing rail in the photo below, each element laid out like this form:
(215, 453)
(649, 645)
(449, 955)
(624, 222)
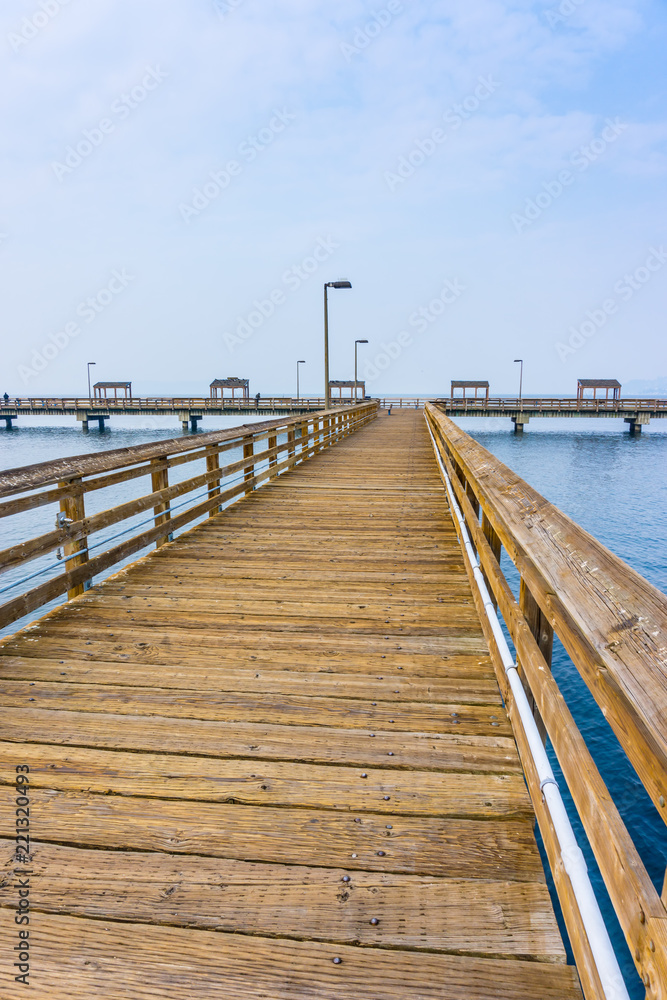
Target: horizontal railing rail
(170, 404)
(176, 403)
(511, 404)
(613, 625)
(268, 449)
(173, 404)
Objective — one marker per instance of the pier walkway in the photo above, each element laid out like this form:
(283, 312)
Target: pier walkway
(271, 760)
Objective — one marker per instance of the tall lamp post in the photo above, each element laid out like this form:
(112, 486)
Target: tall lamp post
(355, 364)
(89, 366)
(327, 285)
(297, 378)
(519, 361)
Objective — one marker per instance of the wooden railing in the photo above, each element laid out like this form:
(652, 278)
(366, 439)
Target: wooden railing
(167, 403)
(613, 625)
(550, 404)
(170, 404)
(494, 406)
(267, 449)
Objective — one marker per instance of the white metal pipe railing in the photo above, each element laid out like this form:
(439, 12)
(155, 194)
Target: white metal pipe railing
(571, 854)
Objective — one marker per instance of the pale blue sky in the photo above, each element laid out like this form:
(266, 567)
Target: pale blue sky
(338, 102)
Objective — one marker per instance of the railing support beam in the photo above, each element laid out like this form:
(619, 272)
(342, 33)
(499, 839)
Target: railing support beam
(72, 508)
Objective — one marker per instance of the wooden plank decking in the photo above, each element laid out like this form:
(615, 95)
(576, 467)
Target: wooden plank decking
(274, 744)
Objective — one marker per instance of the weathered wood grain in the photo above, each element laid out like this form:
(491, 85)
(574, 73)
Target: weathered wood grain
(412, 912)
(255, 678)
(296, 692)
(81, 958)
(454, 717)
(265, 782)
(611, 620)
(311, 744)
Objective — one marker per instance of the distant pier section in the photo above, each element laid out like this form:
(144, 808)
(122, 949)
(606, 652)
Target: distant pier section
(231, 396)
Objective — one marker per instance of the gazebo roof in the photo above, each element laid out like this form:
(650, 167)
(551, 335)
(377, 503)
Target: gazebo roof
(598, 383)
(345, 385)
(112, 385)
(228, 383)
(469, 385)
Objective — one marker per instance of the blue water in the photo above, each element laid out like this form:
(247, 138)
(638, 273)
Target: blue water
(613, 485)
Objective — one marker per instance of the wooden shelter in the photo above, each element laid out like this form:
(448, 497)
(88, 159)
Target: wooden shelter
(101, 389)
(233, 383)
(608, 384)
(470, 385)
(353, 386)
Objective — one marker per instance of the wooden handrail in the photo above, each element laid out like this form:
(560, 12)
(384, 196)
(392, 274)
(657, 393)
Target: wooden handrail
(68, 481)
(613, 624)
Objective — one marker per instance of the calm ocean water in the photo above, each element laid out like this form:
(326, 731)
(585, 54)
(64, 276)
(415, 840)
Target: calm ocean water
(613, 485)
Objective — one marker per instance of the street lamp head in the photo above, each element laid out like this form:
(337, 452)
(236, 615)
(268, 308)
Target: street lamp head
(301, 362)
(339, 284)
(361, 341)
(518, 361)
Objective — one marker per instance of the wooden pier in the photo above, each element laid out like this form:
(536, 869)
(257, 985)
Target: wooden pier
(271, 758)
(191, 412)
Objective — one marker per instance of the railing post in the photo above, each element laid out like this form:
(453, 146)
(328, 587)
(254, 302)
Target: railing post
(544, 635)
(291, 447)
(305, 437)
(72, 508)
(496, 547)
(273, 443)
(474, 502)
(317, 440)
(249, 471)
(160, 481)
(212, 463)
(299, 434)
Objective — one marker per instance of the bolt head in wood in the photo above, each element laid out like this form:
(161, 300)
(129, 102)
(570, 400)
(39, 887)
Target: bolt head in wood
(375, 921)
(346, 878)
(337, 960)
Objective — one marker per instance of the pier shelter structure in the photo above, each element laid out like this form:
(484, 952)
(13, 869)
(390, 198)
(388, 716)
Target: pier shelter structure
(101, 390)
(218, 386)
(287, 752)
(591, 385)
(470, 385)
(357, 390)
